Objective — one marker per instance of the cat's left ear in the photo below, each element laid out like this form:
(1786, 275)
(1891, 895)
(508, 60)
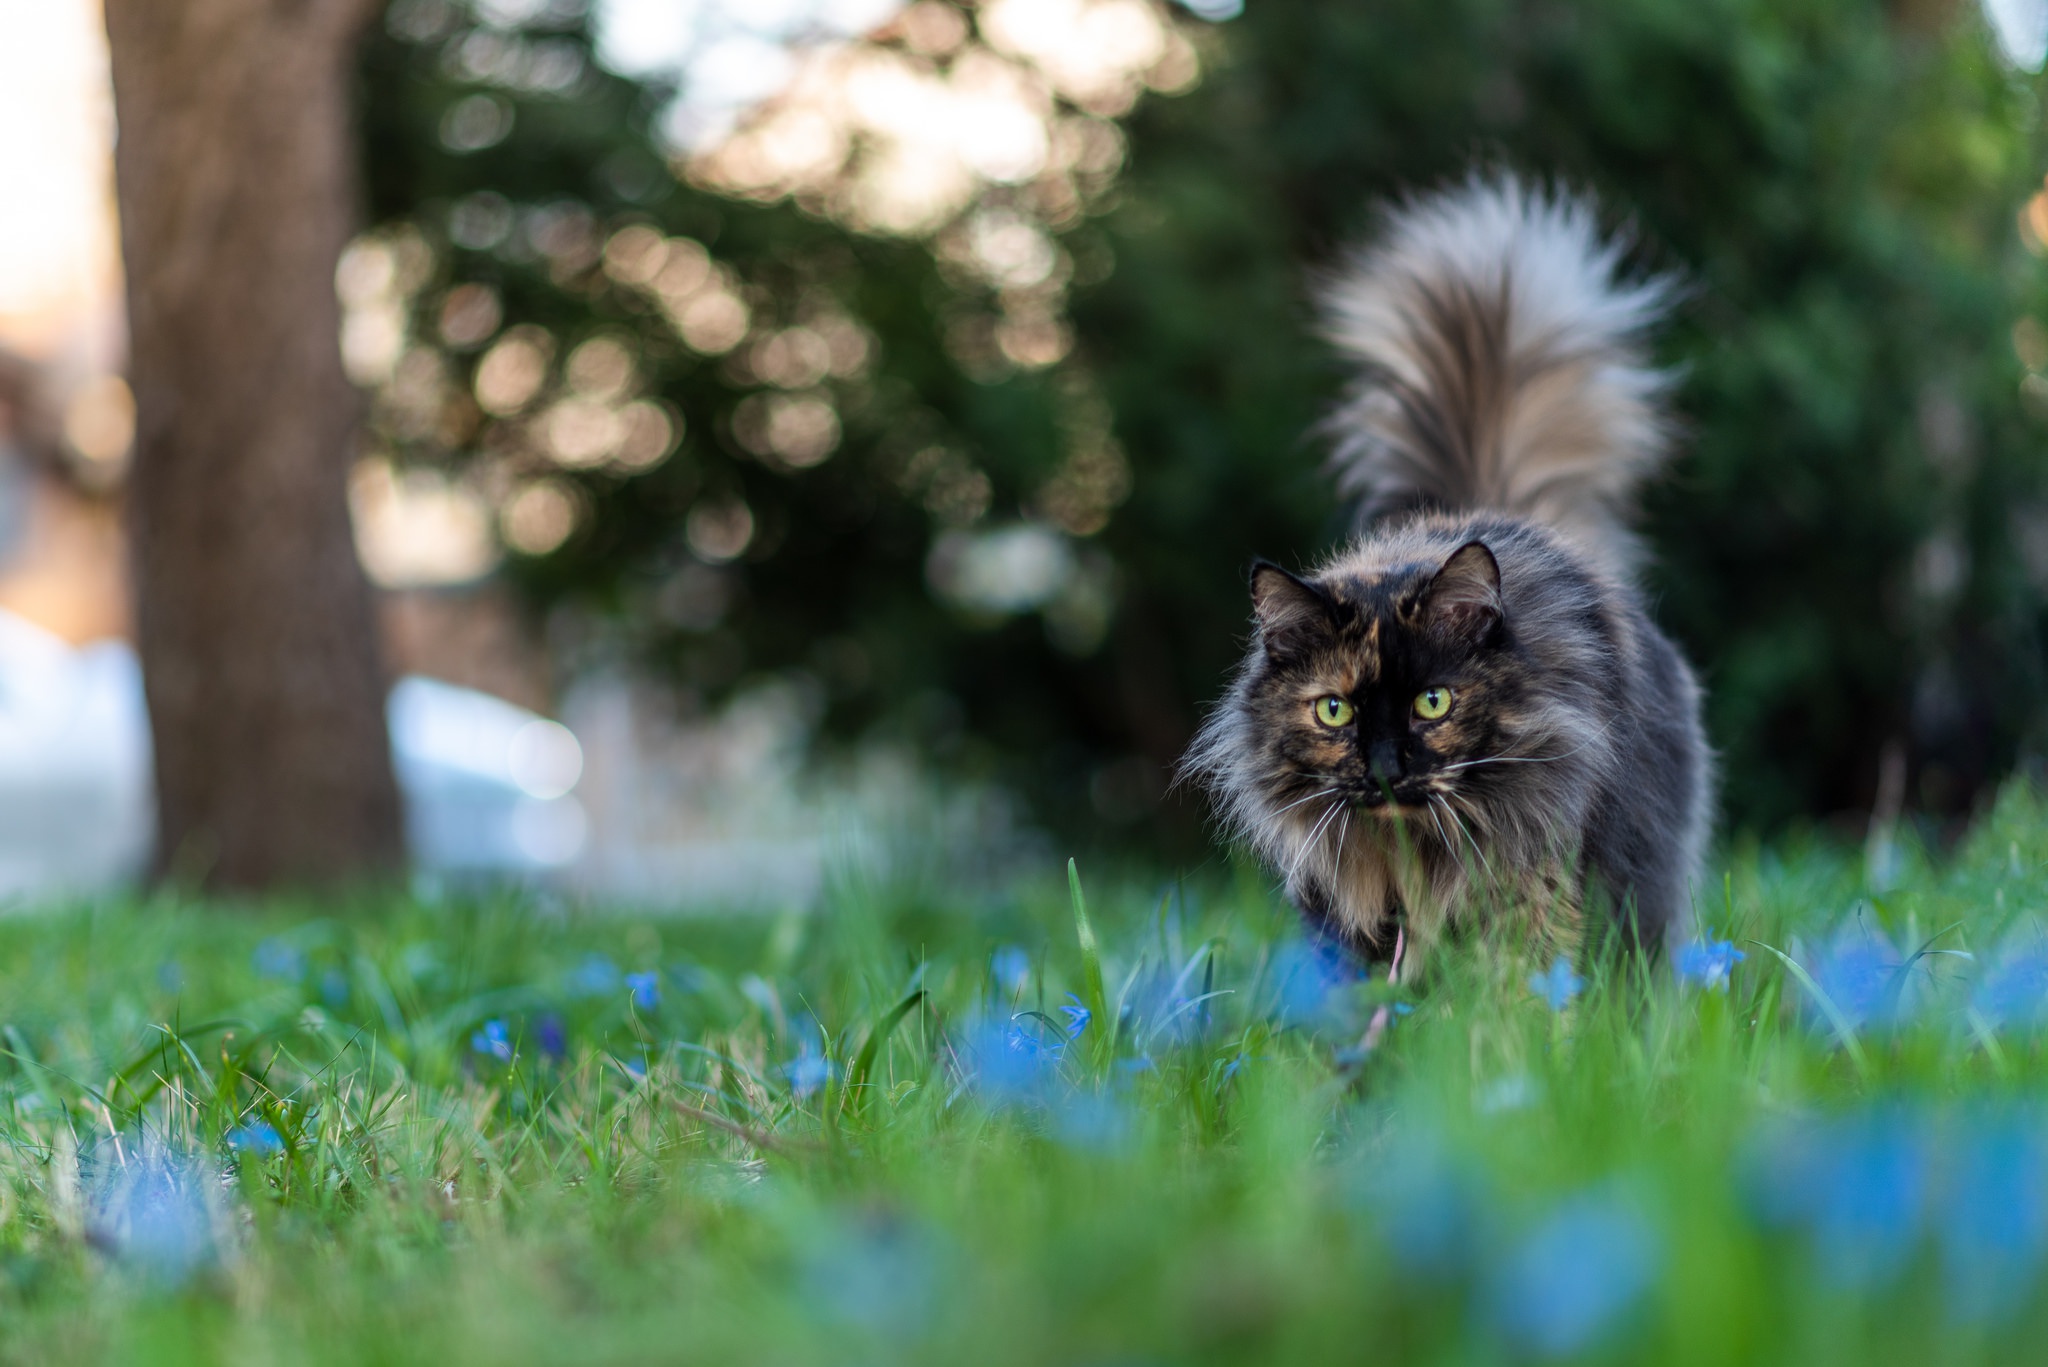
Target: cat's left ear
(1464, 597)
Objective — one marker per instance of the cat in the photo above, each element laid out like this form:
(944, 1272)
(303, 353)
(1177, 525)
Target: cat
(1465, 721)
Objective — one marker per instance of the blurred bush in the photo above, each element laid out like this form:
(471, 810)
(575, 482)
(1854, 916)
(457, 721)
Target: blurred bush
(988, 468)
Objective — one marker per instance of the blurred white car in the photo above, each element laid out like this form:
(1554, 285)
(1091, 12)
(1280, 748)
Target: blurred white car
(488, 787)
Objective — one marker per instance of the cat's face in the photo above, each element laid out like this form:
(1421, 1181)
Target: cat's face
(1386, 693)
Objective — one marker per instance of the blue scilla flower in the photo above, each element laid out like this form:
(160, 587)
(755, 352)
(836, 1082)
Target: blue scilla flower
(1165, 1005)
(280, 959)
(154, 1214)
(875, 1273)
(1707, 963)
(552, 1037)
(646, 990)
(494, 1039)
(1012, 1062)
(1427, 1206)
(1992, 1221)
(1557, 985)
(1866, 1196)
(1306, 976)
(334, 988)
(807, 1072)
(1010, 967)
(2013, 989)
(1572, 1278)
(1077, 1016)
(594, 976)
(1865, 976)
(1779, 1170)
(258, 1137)
(1093, 1122)
(1515, 1091)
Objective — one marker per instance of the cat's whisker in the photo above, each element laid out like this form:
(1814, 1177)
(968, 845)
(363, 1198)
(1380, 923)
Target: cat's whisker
(1441, 833)
(1480, 819)
(1500, 759)
(1309, 844)
(1459, 821)
(1271, 821)
(1512, 759)
(1327, 792)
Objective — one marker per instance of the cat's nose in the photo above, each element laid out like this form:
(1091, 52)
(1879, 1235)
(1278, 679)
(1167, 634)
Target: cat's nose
(1383, 761)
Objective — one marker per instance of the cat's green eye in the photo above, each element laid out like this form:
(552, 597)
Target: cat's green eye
(1432, 703)
(1333, 712)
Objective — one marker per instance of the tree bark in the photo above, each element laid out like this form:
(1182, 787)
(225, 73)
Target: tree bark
(236, 188)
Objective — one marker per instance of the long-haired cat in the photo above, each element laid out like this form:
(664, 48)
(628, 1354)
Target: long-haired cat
(1467, 714)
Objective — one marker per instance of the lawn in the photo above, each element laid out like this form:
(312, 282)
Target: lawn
(913, 1128)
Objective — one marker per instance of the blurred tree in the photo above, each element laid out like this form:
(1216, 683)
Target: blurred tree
(987, 465)
(265, 696)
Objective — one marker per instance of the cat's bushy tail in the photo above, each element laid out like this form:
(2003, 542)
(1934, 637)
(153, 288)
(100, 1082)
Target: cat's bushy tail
(1500, 344)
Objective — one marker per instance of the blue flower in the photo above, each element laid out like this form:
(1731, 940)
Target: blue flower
(1429, 1209)
(1077, 1016)
(493, 1039)
(594, 976)
(1173, 1006)
(1305, 977)
(1558, 985)
(2014, 989)
(153, 1214)
(1706, 963)
(1865, 976)
(334, 988)
(1011, 1062)
(1993, 1220)
(879, 1274)
(1866, 1198)
(1508, 1092)
(646, 990)
(259, 1137)
(278, 958)
(1571, 1278)
(807, 1072)
(1010, 966)
(1094, 1122)
(1779, 1168)
(552, 1036)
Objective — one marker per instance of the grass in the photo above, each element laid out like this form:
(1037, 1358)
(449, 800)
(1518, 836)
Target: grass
(457, 1131)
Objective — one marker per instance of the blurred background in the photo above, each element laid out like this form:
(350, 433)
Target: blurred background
(788, 426)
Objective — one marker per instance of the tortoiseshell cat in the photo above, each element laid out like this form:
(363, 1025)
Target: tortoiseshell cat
(1467, 714)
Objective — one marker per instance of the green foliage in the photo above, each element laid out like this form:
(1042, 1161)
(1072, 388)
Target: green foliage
(1851, 545)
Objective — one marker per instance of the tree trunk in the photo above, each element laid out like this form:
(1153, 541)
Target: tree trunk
(266, 696)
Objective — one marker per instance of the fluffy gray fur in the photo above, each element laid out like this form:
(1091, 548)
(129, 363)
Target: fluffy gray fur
(1505, 415)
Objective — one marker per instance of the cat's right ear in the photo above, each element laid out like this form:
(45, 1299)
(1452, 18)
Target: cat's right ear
(1293, 614)
(1463, 599)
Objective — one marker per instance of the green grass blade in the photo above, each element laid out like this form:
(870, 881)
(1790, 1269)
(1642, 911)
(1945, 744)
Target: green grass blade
(864, 1062)
(1844, 1030)
(1092, 994)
